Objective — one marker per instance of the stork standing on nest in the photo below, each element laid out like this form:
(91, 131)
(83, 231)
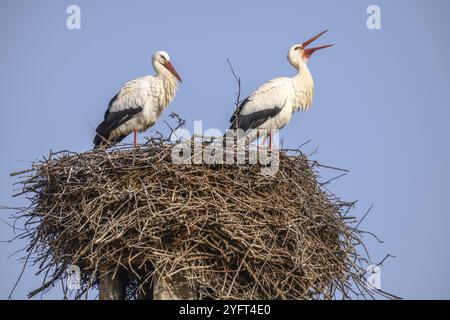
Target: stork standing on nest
(140, 102)
(273, 104)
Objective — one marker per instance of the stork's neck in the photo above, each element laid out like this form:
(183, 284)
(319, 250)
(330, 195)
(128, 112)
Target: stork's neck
(304, 87)
(170, 85)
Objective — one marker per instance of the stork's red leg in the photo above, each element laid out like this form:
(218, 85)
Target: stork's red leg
(135, 137)
(263, 142)
(270, 140)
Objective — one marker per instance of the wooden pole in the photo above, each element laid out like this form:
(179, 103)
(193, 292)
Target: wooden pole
(146, 291)
(113, 287)
(175, 287)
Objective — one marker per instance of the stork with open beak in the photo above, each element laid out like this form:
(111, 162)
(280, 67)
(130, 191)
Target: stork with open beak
(273, 104)
(139, 103)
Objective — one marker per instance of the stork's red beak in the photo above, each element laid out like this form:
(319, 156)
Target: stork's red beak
(308, 52)
(172, 70)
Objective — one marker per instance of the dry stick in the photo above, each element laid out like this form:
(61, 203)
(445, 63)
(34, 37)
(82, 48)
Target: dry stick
(238, 94)
(20, 275)
(238, 81)
(365, 215)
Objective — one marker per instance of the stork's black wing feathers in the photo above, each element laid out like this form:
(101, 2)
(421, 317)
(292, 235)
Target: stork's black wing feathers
(237, 111)
(112, 121)
(255, 119)
(110, 104)
(252, 120)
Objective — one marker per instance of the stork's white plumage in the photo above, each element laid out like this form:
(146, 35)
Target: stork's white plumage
(272, 105)
(140, 102)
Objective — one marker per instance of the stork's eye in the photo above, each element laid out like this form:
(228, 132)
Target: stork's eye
(297, 48)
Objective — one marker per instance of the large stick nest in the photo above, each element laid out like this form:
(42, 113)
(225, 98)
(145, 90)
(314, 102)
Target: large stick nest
(232, 232)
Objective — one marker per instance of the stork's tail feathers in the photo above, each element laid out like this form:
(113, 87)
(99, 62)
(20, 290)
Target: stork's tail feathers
(102, 135)
(98, 141)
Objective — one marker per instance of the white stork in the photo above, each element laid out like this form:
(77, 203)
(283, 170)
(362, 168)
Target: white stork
(272, 105)
(139, 103)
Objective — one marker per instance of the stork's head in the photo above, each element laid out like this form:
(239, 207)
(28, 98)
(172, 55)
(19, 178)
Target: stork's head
(162, 64)
(299, 53)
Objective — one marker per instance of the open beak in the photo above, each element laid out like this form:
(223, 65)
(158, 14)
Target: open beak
(308, 52)
(172, 70)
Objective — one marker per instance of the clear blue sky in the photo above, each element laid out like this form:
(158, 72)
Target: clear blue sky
(382, 104)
